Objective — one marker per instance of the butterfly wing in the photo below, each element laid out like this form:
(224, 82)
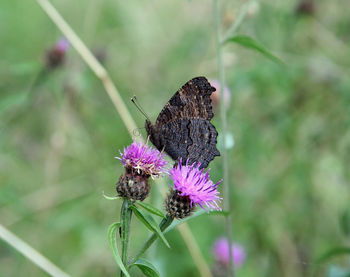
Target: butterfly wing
(190, 101)
(183, 127)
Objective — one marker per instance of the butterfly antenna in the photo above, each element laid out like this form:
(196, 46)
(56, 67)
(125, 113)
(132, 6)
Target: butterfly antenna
(138, 106)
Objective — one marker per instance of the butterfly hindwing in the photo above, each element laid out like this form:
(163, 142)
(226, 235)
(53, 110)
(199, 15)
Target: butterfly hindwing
(203, 147)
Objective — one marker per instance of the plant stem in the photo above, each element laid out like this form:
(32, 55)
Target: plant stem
(238, 21)
(165, 223)
(29, 252)
(221, 73)
(125, 218)
(194, 250)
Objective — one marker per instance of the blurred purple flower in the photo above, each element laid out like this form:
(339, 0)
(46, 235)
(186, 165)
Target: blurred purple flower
(190, 181)
(62, 45)
(143, 159)
(215, 96)
(56, 55)
(221, 252)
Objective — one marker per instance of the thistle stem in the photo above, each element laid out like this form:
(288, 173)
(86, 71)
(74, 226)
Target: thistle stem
(221, 73)
(165, 223)
(125, 218)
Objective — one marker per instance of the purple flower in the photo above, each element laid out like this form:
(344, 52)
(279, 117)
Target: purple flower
(221, 252)
(194, 183)
(144, 159)
(62, 45)
(56, 55)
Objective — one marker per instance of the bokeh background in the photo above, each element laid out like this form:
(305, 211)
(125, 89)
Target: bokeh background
(289, 166)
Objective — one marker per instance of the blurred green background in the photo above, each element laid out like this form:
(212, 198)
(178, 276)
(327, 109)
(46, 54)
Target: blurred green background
(289, 167)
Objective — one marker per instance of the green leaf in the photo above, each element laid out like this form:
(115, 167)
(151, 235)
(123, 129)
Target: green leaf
(222, 213)
(112, 241)
(151, 209)
(146, 267)
(250, 43)
(150, 223)
(334, 252)
(196, 214)
(111, 197)
(125, 218)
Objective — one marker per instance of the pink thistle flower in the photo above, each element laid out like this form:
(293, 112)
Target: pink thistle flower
(221, 252)
(194, 183)
(143, 159)
(62, 45)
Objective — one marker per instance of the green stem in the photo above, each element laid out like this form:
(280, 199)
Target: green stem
(125, 218)
(221, 73)
(165, 223)
(237, 23)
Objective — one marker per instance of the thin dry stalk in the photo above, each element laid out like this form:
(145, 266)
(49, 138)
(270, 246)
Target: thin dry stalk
(195, 252)
(29, 252)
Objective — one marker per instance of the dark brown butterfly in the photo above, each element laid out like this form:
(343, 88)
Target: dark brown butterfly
(183, 127)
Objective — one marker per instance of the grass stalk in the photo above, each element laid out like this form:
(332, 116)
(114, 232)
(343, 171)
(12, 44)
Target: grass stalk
(221, 73)
(195, 252)
(30, 253)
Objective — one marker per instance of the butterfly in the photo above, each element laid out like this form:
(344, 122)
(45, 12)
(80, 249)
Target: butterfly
(183, 129)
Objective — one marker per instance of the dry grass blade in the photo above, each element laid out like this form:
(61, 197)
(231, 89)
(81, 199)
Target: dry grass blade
(31, 253)
(195, 252)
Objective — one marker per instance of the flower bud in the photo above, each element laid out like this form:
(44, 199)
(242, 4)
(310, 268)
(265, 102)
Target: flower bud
(178, 206)
(133, 186)
(56, 55)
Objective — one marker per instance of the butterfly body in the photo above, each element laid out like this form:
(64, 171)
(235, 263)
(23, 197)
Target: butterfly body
(183, 127)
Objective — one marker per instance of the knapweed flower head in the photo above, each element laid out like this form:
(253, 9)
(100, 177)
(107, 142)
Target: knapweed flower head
(192, 182)
(62, 45)
(56, 55)
(133, 186)
(221, 252)
(143, 159)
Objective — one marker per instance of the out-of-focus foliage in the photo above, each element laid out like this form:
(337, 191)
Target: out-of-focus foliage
(289, 168)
